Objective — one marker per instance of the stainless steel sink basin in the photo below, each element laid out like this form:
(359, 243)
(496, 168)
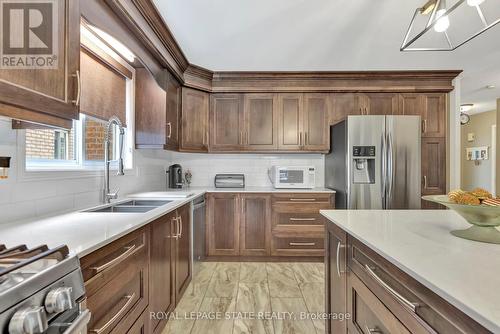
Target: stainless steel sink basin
(143, 202)
(123, 209)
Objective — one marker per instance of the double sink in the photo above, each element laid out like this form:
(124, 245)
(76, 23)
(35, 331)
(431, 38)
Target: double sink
(131, 206)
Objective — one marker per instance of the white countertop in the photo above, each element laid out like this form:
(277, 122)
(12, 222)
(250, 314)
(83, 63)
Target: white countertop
(465, 273)
(84, 232)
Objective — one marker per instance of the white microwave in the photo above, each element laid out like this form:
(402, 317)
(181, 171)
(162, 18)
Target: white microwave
(293, 177)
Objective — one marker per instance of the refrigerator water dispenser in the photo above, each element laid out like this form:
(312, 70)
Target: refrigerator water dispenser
(363, 164)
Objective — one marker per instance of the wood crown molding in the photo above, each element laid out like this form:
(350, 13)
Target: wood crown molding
(160, 41)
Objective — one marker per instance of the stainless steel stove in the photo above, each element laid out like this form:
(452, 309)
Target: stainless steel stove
(41, 291)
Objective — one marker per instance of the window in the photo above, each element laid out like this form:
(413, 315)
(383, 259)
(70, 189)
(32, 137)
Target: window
(80, 147)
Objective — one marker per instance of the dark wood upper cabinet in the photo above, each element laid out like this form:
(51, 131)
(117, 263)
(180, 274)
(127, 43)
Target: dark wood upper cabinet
(173, 112)
(183, 269)
(411, 104)
(223, 223)
(162, 295)
(434, 115)
(255, 224)
(261, 117)
(226, 122)
(342, 105)
(315, 122)
(150, 111)
(54, 92)
(378, 104)
(290, 110)
(194, 120)
(433, 166)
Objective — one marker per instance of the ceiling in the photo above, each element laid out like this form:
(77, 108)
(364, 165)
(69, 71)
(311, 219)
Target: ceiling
(323, 35)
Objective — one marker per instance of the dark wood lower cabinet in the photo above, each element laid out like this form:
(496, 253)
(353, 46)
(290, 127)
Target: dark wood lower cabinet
(144, 272)
(376, 295)
(182, 246)
(265, 224)
(162, 294)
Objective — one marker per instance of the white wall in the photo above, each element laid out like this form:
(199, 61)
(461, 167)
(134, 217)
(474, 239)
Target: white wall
(24, 197)
(254, 166)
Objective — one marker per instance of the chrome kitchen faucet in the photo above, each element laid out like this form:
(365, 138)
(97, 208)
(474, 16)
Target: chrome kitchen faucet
(107, 194)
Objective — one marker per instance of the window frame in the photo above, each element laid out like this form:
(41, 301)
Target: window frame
(78, 168)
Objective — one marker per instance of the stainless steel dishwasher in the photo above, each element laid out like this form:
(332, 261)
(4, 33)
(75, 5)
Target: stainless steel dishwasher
(199, 229)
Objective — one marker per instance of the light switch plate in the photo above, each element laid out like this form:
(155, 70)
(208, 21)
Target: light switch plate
(471, 137)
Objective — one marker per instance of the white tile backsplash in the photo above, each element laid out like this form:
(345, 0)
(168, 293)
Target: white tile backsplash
(27, 199)
(254, 166)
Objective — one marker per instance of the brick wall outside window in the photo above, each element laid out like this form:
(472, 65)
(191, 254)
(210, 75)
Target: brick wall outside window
(40, 144)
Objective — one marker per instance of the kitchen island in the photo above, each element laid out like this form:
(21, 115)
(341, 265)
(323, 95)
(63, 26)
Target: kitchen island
(403, 272)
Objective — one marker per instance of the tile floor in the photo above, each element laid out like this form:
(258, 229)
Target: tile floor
(226, 287)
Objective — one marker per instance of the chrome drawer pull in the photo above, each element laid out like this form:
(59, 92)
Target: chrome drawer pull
(128, 250)
(304, 219)
(372, 330)
(302, 199)
(130, 299)
(339, 246)
(411, 306)
(302, 243)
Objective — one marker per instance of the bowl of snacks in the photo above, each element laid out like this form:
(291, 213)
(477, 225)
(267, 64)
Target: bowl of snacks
(479, 208)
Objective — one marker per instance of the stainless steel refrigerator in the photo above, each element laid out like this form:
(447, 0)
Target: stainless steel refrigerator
(374, 162)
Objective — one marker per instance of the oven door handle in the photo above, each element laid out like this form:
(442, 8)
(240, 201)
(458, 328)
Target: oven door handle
(79, 326)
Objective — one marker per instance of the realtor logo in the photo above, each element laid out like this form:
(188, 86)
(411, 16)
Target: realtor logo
(28, 34)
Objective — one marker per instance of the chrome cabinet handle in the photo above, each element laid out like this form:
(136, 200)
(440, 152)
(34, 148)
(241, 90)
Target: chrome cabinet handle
(425, 181)
(78, 89)
(302, 243)
(179, 219)
(128, 251)
(241, 137)
(175, 234)
(339, 246)
(130, 299)
(372, 330)
(302, 219)
(305, 138)
(406, 303)
(424, 126)
(300, 138)
(169, 125)
(302, 199)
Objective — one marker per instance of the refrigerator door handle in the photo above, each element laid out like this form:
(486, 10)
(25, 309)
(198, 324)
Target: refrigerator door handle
(384, 170)
(390, 169)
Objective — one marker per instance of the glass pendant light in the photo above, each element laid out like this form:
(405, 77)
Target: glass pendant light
(443, 22)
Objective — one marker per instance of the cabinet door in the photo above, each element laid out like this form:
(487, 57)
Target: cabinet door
(261, 117)
(49, 91)
(315, 122)
(194, 131)
(255, 224)
(183, 268)
(343, 104)
(434, 115)
(290, 121)
(173, 112)
(150, 111)
(226, 122)
(223, 224)
(411, 104)
(336, 277)
(379, 104)
(162, 295)
(433, 166)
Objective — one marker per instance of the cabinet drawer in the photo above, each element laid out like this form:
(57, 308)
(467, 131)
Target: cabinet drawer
(297, 246)
(119, 303)
(103, 265)
(368, 314)
(302, 198)
(299, 218)
(420, 309)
